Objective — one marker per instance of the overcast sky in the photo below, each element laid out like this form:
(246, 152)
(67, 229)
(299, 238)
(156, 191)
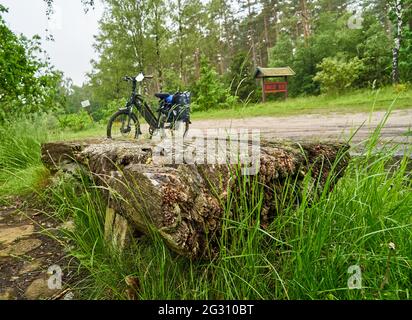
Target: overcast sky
(71, 27)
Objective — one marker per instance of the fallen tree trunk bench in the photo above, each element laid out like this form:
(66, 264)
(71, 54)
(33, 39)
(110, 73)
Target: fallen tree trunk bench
(184, 201)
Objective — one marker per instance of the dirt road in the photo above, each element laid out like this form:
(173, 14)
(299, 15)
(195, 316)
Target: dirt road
(323, 126)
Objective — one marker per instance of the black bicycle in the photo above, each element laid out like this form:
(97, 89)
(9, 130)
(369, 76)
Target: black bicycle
(173, 113)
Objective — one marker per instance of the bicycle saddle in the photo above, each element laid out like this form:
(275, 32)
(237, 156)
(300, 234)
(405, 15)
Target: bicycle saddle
(162, 96)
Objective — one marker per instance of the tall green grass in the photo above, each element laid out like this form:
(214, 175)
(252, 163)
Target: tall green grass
(20, 163)
(304, 253)
(21, 169)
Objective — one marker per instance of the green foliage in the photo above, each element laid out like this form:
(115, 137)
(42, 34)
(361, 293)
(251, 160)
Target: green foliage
(405, 64)
(76, 121)
(400, 88)
(333, 39)
(282, 53)
(20, 164)
(27, 84)
(172, 83)
(105, 113)
(20, 143)
(351, 102)
(209, 90)
(134, 37)
(75, 96)
(240, 78)
(376, 53)
(337, 76)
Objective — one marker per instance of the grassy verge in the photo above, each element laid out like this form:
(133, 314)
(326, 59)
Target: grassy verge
(97, 131)
(21, 169)
(20, 163)
(357, 101)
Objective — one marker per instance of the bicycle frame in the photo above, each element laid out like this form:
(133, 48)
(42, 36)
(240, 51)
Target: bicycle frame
(155, 118)
(142, 107)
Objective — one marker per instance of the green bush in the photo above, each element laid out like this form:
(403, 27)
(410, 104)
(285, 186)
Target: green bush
(76, 121)
(171, 82)
(240, 78)
(400, 88)
(337, 75)
(28, 84)
(103, 114)
(209, 90)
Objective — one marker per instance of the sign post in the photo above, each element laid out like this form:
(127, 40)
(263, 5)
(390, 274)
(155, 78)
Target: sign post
(85, 104)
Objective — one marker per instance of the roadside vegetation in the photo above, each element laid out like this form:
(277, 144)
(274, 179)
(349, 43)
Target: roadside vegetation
(350, 102)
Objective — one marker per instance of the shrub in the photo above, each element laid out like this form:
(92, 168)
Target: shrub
(28, 85)
(209, 90)
(400, 88)
(240, 78)
(171, 82)
(337, 75)
(103, 114)
(76, 121)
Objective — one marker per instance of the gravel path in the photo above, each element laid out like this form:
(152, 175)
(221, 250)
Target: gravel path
(322, 126)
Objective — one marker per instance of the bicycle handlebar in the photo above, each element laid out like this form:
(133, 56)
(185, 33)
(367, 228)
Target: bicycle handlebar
(128, 78)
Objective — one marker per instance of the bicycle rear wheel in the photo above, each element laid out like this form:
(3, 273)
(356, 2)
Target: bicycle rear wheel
(120, 128)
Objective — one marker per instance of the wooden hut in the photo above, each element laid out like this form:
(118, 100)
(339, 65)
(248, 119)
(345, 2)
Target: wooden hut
(274, 86)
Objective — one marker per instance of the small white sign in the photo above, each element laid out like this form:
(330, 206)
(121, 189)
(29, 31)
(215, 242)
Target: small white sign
(85, 103)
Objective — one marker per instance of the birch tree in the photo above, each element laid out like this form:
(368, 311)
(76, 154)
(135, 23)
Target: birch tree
(397, 8)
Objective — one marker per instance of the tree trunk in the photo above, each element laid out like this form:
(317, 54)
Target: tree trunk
(185, 202)
(275, 25)
(305, 20)
(267, 38)
(180, 37)
(251, 34)
(197, 63)
(398, 39)
(158, 54)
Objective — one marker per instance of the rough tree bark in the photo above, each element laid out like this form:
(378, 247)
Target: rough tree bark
(180, 37)
(251, 32)
(397, 7)
(159, 67)
(305, 20)
(185, 202)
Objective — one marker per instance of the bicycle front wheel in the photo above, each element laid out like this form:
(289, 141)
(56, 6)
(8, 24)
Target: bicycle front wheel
(123, 126)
